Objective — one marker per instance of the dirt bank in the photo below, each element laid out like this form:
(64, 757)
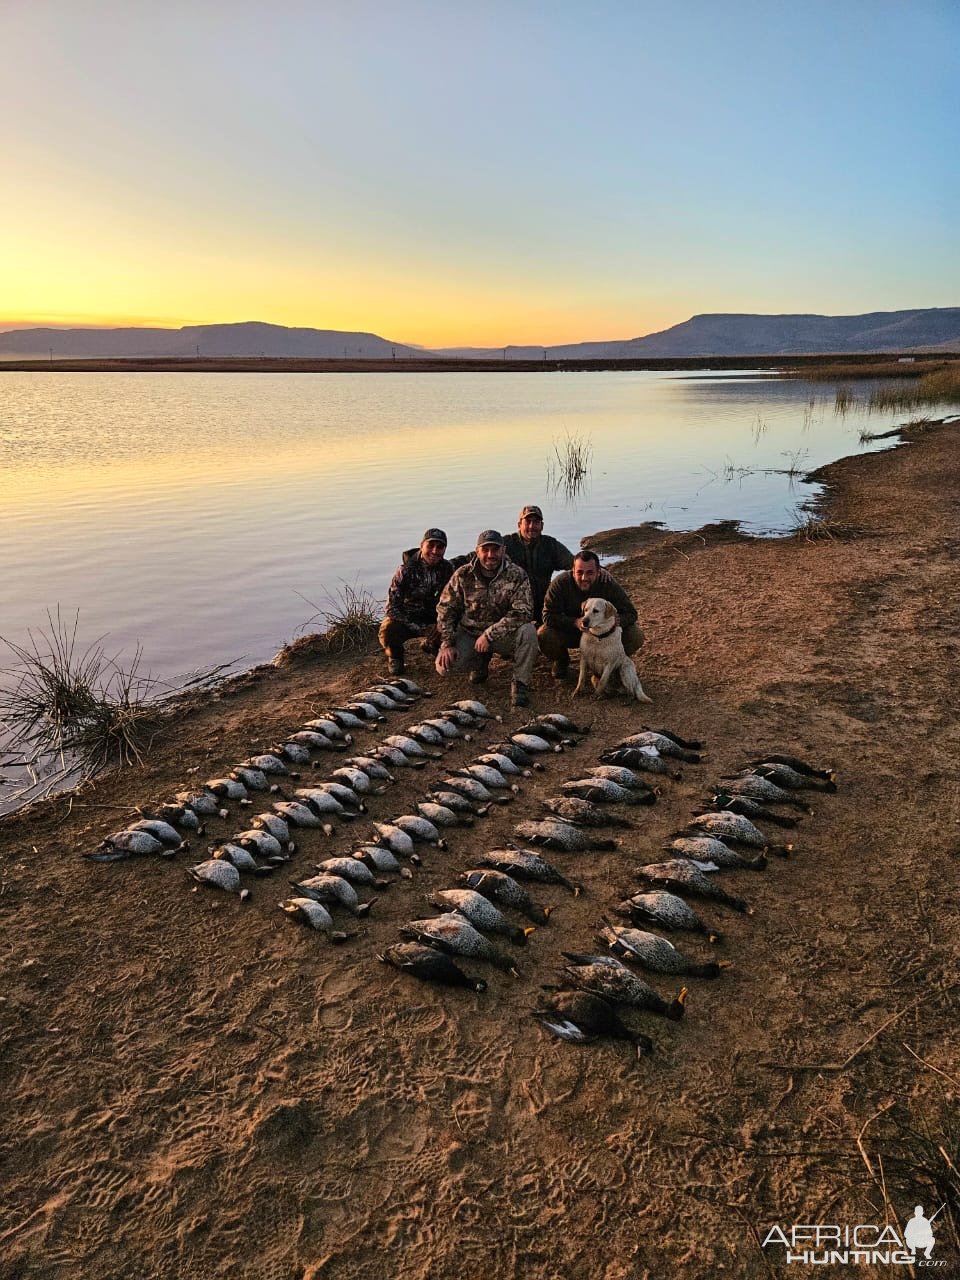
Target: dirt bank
(196, 1088)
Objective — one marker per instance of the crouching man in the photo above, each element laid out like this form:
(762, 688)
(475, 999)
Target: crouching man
(412, 599)
(562, 616)
(487, 608)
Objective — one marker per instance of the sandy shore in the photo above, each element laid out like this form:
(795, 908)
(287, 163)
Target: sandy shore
(196, 1088)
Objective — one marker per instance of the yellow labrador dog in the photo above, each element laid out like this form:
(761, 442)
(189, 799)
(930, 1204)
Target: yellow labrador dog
(601, 652)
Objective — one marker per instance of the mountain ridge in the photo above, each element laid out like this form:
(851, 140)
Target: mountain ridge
(708, 334)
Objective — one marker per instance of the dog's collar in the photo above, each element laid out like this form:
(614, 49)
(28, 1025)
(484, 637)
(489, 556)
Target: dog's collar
(602, 635)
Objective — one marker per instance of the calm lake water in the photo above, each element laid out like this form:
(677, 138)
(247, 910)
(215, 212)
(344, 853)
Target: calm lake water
(206, 516)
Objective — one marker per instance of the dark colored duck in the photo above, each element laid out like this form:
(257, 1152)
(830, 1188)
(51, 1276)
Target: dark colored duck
(524, 864)
(498, 887)
(429, 965)
(748, 809)
(657, 954)
(583, 813)
(609, 978)
(580, 1017)
(666, 911)
(683, 876)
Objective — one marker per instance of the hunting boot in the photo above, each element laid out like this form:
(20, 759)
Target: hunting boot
(481, 668)
(395, 662)
(519, 694)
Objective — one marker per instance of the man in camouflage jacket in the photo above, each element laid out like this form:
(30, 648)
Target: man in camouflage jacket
(487, 608)
(412, 599)
(562, 611)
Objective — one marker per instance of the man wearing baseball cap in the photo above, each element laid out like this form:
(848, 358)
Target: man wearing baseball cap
(412, 599)
(487, 608)
(536, 552)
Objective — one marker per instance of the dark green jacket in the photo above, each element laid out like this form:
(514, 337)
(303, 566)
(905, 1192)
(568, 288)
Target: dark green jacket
(541, 559)
(564, 599)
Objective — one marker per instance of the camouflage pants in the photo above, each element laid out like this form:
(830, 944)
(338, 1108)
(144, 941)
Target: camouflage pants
(520, 645)
(395, 634)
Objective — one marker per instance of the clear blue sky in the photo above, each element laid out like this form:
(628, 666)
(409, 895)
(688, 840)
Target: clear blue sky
(505, 172)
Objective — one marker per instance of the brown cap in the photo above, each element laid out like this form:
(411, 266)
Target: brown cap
(490, 538)
(530, 510)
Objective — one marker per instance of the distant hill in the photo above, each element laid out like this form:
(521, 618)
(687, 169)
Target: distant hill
(732, 335)
(934, 329)
(250, 339)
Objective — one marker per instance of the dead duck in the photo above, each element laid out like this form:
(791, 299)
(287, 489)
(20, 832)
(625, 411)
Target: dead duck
(353, 869)
(428, 735)
(314, 740)
(314, 915)
(203, 803)
(460, 804)
(583, 813)
(580, 1017)
(609, 978)
(358, 780)
(515, 753)
(782, 775)
(343, 794)
(259, 841)
(420, 828)
(429, 965)
(657, 954)
(449, 728)
(472, 789)
(159, 829)
(457, 936)
(396, 758)
(324, 888)
(379, 858)
(535, 743)
(748, 808)
(560, 835)
(473, 708)
(754, 787)
(688, 744)
(667, 911)
(253, 779)
(297, 813)
(180, 815)
(683, 876)
(524, 864)
(410, 747)
(398, 841)
(712, 852)
(603, 791)
(227, 789)
(799, 766)
(441, 816)
(498, 887)
(488, 776)
(734, 827)
(124, 844)
(632, 759)
(270, 764)
(241, 858)
(291, 752)
(321, 803)
(481, 913)
(277, 827)
(372, 768)
(218, 873)
(365, 710)
(662, 744)
(503, 764)
(543, 729)
(329, 728)
(563, 723)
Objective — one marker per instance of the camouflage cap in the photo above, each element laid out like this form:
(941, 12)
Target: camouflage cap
(434, 535)
(490, 538)
(530, 510)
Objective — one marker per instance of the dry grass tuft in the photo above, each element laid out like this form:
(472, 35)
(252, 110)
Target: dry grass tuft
(350, 621)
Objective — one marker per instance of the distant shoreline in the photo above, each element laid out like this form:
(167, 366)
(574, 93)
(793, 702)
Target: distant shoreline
(286, 364)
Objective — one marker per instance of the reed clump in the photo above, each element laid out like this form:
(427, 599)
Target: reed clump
(569, 468)
(349, 622)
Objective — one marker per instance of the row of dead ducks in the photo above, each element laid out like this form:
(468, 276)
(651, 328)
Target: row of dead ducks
(156, 831)
(711, 842)
(471, 909)
(455, 801)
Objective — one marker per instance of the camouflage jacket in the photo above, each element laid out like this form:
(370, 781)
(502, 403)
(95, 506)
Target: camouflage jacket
(541, 559)
(495, 606)
(564, 599)
(415, 590)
